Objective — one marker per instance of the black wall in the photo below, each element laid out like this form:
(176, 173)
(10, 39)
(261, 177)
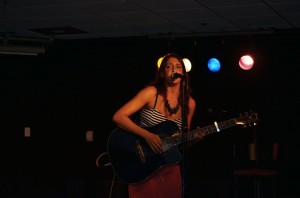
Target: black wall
(77, 85)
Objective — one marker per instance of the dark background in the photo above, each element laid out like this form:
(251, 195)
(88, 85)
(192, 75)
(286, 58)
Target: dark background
(77, 86)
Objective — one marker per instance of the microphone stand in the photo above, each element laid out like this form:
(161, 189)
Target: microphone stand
(184, 130)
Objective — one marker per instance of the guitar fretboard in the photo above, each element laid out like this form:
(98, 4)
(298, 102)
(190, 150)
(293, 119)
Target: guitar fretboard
(216, 127)
(176, 138)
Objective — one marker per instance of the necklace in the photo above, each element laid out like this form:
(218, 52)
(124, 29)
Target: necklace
(170, 109)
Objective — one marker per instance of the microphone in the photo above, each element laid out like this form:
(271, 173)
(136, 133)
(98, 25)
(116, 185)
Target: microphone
(176, 75)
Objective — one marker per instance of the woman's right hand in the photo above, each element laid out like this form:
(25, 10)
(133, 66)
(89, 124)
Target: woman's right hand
(154, 142)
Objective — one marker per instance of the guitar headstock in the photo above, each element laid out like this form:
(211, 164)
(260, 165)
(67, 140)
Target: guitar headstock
(247, 119)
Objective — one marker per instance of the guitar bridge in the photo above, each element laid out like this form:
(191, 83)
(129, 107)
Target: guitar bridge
(140, 151)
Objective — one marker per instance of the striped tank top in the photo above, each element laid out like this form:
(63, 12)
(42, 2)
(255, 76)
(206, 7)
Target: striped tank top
(152, 117)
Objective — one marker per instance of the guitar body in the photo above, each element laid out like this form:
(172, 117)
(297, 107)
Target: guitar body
(133, 160)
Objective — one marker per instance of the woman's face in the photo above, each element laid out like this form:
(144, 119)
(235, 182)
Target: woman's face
(172, 65)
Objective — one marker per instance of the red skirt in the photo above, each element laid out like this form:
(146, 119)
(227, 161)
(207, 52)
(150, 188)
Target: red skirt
(165, 182)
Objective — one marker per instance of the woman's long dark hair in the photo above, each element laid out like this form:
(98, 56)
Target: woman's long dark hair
(159, 81)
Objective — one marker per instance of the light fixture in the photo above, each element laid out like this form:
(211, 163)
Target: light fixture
(17, 45)
(159, 62)
(246, 62)
(214, 65)
(187, 63)
(22, 50)
(23, 45)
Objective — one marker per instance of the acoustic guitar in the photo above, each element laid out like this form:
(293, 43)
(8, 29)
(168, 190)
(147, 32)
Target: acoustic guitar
(133, 160)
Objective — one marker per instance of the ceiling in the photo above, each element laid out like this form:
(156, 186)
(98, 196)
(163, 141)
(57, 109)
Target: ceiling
(84, 19)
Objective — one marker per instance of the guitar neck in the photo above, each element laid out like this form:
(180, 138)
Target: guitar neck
(216, 127)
